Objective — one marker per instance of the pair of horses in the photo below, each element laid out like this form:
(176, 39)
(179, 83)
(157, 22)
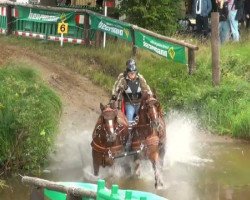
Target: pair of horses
(148, 136)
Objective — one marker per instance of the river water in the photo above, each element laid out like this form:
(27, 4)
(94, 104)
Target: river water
(198, 166)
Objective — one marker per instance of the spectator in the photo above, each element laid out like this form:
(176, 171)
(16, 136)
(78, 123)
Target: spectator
(247, 13)
(235, 13)
(224, 27)
(202, 10)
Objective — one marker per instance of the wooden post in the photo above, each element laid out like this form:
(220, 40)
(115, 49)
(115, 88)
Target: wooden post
(73, 193)
(9, 22)
(98, 39)
(191, 61)
(86, 29)
(134, 48)
(215, 45)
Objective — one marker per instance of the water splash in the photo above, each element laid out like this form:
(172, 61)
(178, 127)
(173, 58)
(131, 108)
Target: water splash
(182, 134)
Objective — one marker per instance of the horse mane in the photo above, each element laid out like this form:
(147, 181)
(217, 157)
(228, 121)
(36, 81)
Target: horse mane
(159, 107)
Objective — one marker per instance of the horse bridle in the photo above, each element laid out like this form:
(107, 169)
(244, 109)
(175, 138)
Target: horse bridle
(116, 131)
(109, 122)
(154, 110)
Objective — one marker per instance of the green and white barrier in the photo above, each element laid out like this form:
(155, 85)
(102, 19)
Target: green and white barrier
(3, 19)
(40, 23)
(103, 193)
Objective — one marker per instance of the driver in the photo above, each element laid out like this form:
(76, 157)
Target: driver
(131, 84)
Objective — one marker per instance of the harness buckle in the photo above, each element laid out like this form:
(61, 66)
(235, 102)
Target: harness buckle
(99, 127)
(110, 154)
(141, 146)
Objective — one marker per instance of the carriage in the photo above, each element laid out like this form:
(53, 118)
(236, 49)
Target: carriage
(113, 137)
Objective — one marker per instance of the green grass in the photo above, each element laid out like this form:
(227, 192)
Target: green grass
(29, 116)
(2, 184)
(223, 109)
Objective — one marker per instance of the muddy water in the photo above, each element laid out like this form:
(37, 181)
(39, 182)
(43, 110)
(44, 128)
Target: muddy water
(198, 166)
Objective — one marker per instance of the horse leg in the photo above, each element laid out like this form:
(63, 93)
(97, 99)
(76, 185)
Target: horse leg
(157, 173)
(162, 152)
(137, 166)
(96, 162)
(154, 157)
(96, 168)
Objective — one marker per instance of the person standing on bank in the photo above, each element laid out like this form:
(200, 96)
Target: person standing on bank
(224, 27)
(247, 13)
(133, 84)
(235, 13)
(202, 10)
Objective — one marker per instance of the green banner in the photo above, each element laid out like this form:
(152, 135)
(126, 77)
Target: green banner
(112, 27)
(170, 51)
(46, 16)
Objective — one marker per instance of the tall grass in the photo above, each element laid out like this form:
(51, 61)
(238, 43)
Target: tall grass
(29, 114)
(223, 109)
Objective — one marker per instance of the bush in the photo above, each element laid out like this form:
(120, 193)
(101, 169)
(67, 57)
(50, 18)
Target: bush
(29, 114)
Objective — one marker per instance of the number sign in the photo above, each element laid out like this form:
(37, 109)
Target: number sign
(62, 28)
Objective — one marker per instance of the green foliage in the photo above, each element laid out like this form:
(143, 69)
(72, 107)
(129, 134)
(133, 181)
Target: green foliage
(29, 113)
(2, 184)
(156, 15)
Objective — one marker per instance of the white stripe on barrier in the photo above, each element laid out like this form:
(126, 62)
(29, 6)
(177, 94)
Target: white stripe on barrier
(70, 40)
(3, 11)
(14, 12)
(26, 34)
(2, 31)
(81, 19)
(53, 38)
(78, 41)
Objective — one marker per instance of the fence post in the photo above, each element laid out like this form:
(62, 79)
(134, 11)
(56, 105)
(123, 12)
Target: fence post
(134, 48)
(98, 38)
(8, 20)
(86, 29)
(191, 61)
(215, 45)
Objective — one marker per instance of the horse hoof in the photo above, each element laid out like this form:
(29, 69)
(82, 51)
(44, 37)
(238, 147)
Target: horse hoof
(159, 186)
(138, 173)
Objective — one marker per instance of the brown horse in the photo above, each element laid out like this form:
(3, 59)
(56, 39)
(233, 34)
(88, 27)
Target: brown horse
(150, 135)
(109, 137)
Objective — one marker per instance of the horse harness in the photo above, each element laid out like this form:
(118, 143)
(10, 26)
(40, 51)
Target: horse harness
(112, 150)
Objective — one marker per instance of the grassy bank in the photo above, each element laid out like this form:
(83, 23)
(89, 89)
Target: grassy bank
(29, 115)
(224, 109)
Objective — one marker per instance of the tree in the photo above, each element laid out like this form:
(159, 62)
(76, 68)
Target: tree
(157, 15)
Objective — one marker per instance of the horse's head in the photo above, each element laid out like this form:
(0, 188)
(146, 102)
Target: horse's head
(109, 118)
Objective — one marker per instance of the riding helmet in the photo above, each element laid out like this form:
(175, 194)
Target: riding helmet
(131, 66)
